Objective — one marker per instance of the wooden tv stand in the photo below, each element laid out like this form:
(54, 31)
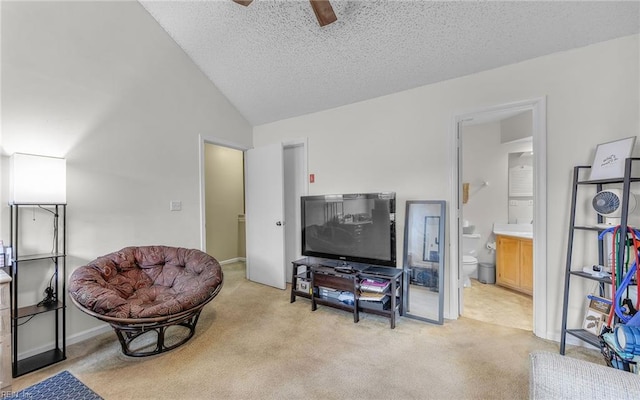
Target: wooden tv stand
(313, 277)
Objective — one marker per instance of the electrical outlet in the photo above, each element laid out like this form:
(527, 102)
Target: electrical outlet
(175, 205)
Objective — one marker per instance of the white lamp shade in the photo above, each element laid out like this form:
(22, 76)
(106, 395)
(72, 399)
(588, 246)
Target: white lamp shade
(37, 180)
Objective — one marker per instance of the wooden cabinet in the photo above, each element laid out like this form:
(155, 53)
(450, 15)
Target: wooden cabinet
(514, 263)
(526, 265)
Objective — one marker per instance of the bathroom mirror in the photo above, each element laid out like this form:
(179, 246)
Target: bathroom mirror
(431, 239)
(423, 261)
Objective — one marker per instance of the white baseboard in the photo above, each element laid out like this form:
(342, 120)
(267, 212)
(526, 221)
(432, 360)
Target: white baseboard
(89, 333)
(232, 260)
(73, 339)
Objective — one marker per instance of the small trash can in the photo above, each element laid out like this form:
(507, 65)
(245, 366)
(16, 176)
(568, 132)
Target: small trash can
(486, 273)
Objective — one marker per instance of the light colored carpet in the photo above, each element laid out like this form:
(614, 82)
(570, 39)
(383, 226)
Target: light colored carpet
(251, 343)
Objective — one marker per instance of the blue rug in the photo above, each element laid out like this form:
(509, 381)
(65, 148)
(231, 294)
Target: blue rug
(62, 386)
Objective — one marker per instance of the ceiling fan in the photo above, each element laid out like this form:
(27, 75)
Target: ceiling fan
(322, 9)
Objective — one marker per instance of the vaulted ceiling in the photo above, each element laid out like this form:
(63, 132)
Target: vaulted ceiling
(273, 61)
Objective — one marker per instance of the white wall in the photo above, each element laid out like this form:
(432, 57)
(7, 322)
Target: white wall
(518, 127)
(484, 160)
(402, 141)
(102, 84)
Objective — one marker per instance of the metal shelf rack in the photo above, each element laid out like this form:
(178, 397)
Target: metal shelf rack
(20, 314)
(570, 271)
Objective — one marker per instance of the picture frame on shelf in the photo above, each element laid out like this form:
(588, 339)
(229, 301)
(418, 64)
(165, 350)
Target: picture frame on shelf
(608, 162)
(596, 313)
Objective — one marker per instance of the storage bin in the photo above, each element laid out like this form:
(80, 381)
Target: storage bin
(486, 273)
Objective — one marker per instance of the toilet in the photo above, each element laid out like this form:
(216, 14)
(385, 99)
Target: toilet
(469, 260)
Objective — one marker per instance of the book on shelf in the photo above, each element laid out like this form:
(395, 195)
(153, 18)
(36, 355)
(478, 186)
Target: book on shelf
(371, 296)
(327, 293)
(375, 281)
(374, 285)
(384, 304)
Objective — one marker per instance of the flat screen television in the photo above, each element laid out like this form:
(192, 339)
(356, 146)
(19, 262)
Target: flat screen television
(350, 227)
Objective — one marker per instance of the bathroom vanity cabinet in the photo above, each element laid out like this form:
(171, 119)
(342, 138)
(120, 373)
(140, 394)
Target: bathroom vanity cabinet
(514, 263)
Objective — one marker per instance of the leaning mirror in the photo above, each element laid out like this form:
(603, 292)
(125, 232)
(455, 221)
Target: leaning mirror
(423, 261)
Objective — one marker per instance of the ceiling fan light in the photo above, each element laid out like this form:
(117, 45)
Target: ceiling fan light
(324, 12)
(243, 2)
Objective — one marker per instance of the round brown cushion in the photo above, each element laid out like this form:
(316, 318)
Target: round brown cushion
(146, 282)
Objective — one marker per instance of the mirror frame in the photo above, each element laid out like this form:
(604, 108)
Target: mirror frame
(411, 207)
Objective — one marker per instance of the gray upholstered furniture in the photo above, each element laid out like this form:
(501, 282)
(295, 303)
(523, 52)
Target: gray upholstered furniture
(553, 376)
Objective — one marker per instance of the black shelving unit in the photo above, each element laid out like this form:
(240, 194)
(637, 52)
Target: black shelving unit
(572, 271)
(22, 313)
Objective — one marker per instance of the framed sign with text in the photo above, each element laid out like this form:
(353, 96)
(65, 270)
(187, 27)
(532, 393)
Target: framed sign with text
(608, 162)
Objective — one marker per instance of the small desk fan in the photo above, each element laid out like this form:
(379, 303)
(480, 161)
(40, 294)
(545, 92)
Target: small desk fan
(608, 203)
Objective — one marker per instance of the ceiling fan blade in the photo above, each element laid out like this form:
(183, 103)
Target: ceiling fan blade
(324, 11)
(243, 2)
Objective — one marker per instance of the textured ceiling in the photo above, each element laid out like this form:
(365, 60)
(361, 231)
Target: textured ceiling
(273, 61)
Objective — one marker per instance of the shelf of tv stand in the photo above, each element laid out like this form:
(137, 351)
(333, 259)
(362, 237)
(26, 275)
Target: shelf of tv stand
(349, 282)
(338, 305)
(395, 292)
(328, 277)
(298, 293)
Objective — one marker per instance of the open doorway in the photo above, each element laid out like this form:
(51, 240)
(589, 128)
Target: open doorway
(497, 215)
(456, 276)
(224, 203)
(227, 240)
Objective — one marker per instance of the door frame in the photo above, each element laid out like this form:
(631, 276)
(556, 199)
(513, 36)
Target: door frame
(202, 140)
(538, 108)
(303, 173)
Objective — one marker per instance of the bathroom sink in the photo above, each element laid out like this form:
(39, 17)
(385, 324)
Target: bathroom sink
(517, 230)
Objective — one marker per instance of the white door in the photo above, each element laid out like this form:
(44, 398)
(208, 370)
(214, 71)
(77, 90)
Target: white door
(264, 205)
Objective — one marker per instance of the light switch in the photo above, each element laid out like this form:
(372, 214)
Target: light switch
(175, 205)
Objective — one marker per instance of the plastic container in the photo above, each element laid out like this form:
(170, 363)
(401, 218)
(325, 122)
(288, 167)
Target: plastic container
(486, 273)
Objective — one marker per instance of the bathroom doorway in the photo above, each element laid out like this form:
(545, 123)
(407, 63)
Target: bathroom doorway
(497, 166)
(537, 106)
